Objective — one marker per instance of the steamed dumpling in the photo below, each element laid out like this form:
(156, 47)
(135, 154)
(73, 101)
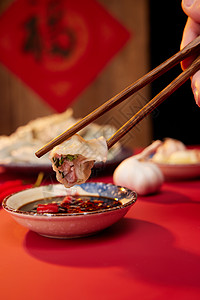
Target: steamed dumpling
(73, 159)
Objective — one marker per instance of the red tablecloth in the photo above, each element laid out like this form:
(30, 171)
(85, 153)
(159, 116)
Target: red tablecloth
(152, 253)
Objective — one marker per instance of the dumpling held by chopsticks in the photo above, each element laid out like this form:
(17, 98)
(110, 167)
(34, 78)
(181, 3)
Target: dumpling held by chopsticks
(73, 159)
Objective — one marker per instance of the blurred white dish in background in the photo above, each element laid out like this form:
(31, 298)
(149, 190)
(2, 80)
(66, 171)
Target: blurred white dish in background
(20, 146)
(176, 161)
(175, 152)
(179, 171)
(166, 148)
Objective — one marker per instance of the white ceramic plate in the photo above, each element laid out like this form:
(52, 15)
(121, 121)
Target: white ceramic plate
(67, 225)
(179, 171)
(46, 167)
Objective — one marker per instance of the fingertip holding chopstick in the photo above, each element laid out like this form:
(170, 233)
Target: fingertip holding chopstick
(192, 48)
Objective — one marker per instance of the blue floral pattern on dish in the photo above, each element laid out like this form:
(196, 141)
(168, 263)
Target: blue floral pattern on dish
(108, 190)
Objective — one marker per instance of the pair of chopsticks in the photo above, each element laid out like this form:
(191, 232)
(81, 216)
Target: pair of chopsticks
(192, 48)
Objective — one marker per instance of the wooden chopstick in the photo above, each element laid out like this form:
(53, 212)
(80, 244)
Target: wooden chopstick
(191, 49)
(157, 100)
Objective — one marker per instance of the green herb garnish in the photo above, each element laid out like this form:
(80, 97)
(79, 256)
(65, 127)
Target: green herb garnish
(59, 161)
(71, 157)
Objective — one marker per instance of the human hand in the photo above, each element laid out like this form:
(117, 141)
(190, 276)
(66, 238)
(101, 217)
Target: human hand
(191, 31)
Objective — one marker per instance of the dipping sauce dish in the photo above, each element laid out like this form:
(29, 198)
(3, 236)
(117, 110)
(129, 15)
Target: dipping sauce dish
(69, 224)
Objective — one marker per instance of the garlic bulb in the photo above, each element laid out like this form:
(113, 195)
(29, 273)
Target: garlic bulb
(143, 177)
(166, 149)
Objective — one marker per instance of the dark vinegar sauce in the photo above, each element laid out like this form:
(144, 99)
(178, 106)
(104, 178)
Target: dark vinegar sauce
(70, 204)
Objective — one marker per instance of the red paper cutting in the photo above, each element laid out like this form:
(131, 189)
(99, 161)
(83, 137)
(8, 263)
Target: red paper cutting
(57, 47)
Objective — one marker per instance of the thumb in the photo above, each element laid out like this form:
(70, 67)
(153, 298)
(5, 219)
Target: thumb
(195, 84)
(192, 30)
(192, 9)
